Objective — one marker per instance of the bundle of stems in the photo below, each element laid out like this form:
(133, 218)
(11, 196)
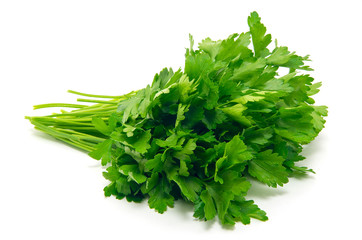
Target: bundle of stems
(75, 127)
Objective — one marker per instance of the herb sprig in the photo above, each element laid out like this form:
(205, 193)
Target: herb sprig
(202, 133)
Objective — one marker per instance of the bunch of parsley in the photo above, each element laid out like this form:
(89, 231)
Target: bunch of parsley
(202, 133)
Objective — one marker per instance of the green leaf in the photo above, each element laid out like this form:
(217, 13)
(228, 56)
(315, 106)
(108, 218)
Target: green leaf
(296, 124)
(112, 174)
(155, 164)
(233, 182)
(128, 129)
(259, 136)
(236, 113)
(247, 98)
(101, 126)
(222, 200)
(183, 170)
(169, 142)
(267, 167)
(212, 118)
(190, 186)
(241, 210)
(160, 197)
(129, 107)
(230, 49)
(219, 195)
(314, 88)
(110, 189)
(194, 115)
(186, 150)
(260, 40)
(139, 141)
(197, 65)
(248, 69)
(278, 85)
(209, 206)
(150, 183)
(279, 56)
(180, 114)
(161, 80)
(133, 172)
(123, 186)
(208, 92)
(218, 165)
(235, 153)
(317, 115)
(210, 47)
(103, 151)
(199, 208)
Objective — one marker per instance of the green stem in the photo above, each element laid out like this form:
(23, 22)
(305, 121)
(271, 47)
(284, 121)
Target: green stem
(74, 119)
(75, 127)
(94, 109)
(72, 139)
(62, 121)
(93, 95)
(82, 136)
(95, 101)
(76, 144)
(51, 131)
(48, 105)
(81, 115)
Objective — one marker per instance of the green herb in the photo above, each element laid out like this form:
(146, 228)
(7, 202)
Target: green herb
(201, 134)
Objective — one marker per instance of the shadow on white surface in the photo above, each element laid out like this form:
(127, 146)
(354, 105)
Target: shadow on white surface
(314, 147)
(262, 191)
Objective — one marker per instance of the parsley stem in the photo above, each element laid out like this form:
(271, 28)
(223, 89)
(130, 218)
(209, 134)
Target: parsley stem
(82, 114)
(93, 95)
(51, 121)
(95, 101)
(76, 144)
(81, 140)
(94, 109)
(85, 129)
(51, 131)
(125, 96)
(82, 136)
(76, 119)
(48, 105)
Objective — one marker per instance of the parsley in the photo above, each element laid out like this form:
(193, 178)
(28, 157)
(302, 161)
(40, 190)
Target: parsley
(202, 133)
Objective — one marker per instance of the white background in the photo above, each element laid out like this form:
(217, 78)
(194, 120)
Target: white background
(51, 191)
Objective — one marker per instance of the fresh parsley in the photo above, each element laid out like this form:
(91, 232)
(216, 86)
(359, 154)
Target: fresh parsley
(202, 133)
